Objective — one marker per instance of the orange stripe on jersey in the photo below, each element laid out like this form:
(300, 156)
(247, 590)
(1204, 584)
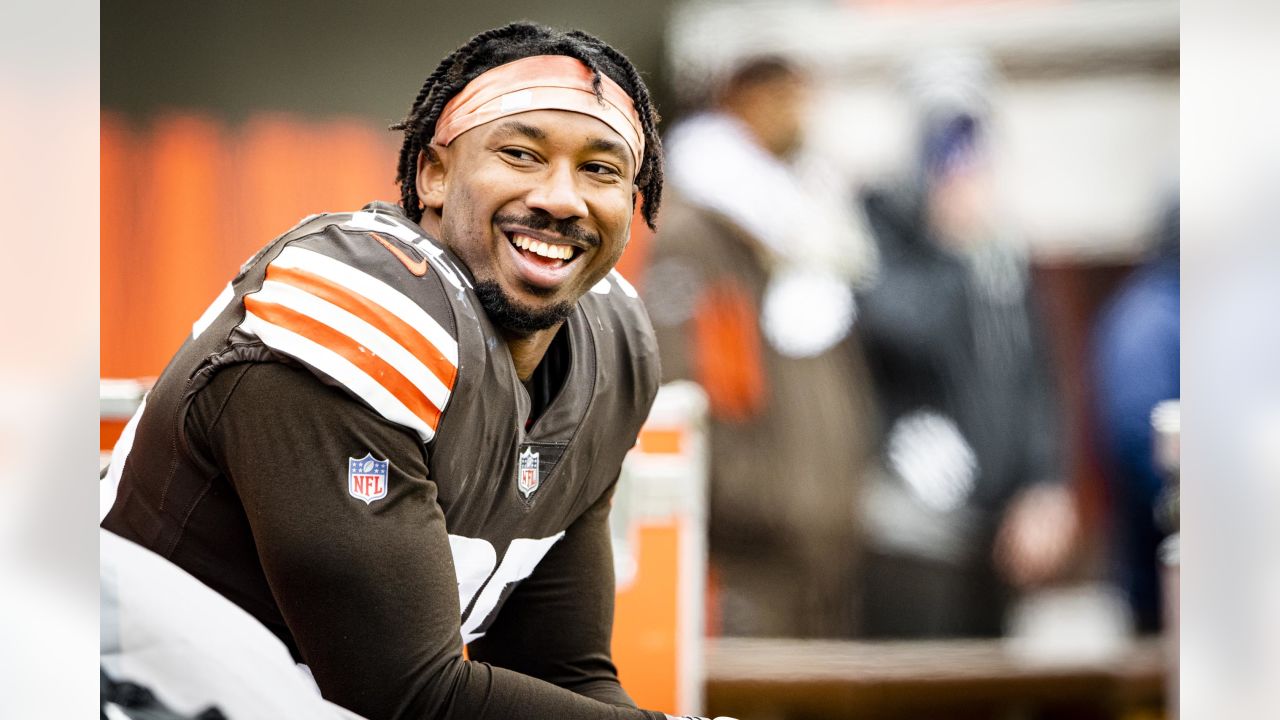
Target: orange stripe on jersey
(372, 313)
(375, 367)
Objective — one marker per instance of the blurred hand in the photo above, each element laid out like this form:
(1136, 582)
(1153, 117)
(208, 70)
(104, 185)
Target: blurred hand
(962, 208)
(1037, 535)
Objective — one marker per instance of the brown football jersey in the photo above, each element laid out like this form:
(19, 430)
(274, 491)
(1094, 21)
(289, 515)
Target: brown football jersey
(343, 448)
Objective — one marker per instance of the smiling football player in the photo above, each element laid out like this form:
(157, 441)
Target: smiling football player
(398, 430)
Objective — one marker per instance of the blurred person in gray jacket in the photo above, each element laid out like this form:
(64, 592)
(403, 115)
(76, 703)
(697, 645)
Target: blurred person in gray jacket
(969, 501)
(750, 292)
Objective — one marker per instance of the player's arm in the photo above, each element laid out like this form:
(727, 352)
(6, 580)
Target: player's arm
(558, 623)
(368, 590)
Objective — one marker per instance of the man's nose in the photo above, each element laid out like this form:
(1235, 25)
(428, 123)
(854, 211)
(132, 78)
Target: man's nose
(557, 193)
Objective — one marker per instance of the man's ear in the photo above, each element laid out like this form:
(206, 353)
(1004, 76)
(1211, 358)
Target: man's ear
(433, 169)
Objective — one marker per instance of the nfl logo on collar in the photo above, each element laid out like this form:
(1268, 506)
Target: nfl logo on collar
(367, 478)
(527, 476)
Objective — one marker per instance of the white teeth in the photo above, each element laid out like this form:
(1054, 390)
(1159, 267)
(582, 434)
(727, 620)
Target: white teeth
(555, 252)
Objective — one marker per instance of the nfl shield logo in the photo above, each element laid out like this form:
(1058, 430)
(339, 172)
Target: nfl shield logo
(527, 478)
(367, 478)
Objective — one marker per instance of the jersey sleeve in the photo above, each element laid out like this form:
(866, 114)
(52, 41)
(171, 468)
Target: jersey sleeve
(357, 556)
(365, 311)
(558, 624)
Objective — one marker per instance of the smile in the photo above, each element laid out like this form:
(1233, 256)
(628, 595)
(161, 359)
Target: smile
(541, 262)
(546, 250)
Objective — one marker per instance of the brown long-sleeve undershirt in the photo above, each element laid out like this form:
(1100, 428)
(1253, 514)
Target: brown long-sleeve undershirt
(367, 593)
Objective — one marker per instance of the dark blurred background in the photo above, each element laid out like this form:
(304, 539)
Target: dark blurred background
(327, 57)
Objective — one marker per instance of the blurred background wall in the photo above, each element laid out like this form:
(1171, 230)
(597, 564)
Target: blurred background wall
(326, 57)
(1086, 103)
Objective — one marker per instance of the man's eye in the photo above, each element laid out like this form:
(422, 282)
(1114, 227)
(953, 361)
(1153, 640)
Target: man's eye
(518, 154)
(601, 169)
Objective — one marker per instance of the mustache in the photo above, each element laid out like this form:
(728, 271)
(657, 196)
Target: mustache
(538, 220)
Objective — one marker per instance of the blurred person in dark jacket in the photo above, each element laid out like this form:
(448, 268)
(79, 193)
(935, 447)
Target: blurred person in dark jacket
(750, 293)
(968, 503)
(1136, 364)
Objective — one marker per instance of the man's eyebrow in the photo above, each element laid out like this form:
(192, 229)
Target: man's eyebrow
(612, 147)
(516, 127)
(599, 144)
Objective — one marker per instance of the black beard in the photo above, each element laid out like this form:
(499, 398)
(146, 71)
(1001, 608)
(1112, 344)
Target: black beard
(511, 315)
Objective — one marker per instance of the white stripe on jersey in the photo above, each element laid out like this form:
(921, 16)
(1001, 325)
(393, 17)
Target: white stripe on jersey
(212, 312)
(110, 485)
(340, 369)
(627, 288)
(381, 222)
(361, 332)
(375, 290)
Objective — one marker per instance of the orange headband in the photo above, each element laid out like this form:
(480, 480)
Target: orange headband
(541, 82)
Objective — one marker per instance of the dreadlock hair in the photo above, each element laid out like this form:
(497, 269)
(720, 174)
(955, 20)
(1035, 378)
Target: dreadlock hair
(508, 43)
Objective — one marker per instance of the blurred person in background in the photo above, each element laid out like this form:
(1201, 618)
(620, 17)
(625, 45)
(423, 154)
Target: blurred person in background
(968, 503)
(1136, 361)
(750, 292)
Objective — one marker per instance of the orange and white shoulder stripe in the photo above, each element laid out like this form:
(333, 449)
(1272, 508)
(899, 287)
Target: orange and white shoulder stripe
(358, 330)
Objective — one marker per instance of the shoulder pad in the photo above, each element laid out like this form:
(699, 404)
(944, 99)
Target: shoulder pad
(385, 223)
(357, 305)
